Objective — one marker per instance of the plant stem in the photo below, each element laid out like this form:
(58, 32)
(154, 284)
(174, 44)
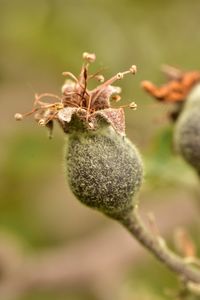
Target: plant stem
(133, 223)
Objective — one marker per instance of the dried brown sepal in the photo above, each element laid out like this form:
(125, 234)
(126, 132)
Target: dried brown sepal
(115, 117)
(176, 90)
(66, 113)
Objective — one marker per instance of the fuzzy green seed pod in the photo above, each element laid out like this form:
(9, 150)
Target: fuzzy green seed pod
(187, 129)
(104, 170)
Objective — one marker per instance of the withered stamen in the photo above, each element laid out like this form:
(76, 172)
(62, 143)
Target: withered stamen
(110, 81)
(131, 105)
(78, 99)
(69, 74)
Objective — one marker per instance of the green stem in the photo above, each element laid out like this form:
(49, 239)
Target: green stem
(133, 223)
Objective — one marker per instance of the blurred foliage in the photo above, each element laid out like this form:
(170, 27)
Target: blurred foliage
(78, 295)
(164, 166)
(39, 40)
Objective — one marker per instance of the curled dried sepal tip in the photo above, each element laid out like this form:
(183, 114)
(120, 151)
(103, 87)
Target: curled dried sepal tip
(147, 85)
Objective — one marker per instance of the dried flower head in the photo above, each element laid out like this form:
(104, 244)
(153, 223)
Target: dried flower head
(77, 99)
(176, 89)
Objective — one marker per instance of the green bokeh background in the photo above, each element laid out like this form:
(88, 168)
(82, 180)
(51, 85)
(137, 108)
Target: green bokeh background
(38, 41)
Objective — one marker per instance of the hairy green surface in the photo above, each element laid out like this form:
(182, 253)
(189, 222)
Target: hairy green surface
(104, 170)
(187, 130)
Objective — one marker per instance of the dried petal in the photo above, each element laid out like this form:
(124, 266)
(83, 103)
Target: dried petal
(66, 113)
(103, 99)
(115, 117)
(176, 89)
(68, 87)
